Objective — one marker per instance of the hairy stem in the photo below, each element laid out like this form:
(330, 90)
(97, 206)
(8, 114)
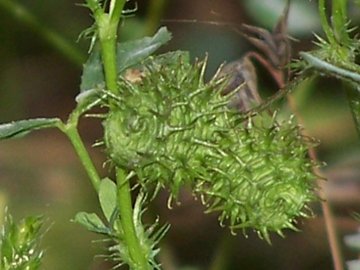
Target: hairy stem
(126, 217)
(53, 38)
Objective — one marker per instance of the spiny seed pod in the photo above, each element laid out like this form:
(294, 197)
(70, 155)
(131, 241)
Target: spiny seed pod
(173, 129)
(160, 123)
(265, 179)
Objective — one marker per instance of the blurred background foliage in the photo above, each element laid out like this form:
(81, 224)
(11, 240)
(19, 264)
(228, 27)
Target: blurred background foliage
(41, 174)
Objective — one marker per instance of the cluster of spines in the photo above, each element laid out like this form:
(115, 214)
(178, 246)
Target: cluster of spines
(173, 129)
(266, 186)
(164, 121)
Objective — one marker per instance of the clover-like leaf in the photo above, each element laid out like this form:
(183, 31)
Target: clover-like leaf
(92, 222)
(107, 197)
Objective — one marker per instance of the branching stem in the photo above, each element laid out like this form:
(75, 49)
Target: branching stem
(107, 25)
(71, 130)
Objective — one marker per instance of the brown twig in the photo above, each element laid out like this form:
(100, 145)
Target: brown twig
(281, 52)
(325, 205)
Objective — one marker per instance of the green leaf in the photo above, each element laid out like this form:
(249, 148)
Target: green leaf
(132, 52)
(128, 54)
(21, 128)
(107, 197)
(92, 222)
(93, 73)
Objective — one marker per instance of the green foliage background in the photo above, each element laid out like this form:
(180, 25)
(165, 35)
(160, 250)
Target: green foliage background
(36, 80)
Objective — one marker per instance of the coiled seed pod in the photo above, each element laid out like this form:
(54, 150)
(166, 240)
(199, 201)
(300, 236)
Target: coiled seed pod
(173, 129)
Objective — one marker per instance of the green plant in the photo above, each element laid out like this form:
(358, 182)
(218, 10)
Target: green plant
(19, 243)
(169, 128)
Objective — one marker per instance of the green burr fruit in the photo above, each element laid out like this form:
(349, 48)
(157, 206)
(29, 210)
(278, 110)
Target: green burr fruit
(173, 129)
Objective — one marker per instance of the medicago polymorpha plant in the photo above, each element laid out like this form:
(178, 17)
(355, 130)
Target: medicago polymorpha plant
(166, 127)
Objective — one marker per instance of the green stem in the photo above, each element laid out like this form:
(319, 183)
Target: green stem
(324, 22)
(95, 7)
(107, 30)
(332, 69)
(55, 40)
(126, 217)
(108, 52)
(116, 8)
(108, 26)
(339, 20)
(70, 129)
